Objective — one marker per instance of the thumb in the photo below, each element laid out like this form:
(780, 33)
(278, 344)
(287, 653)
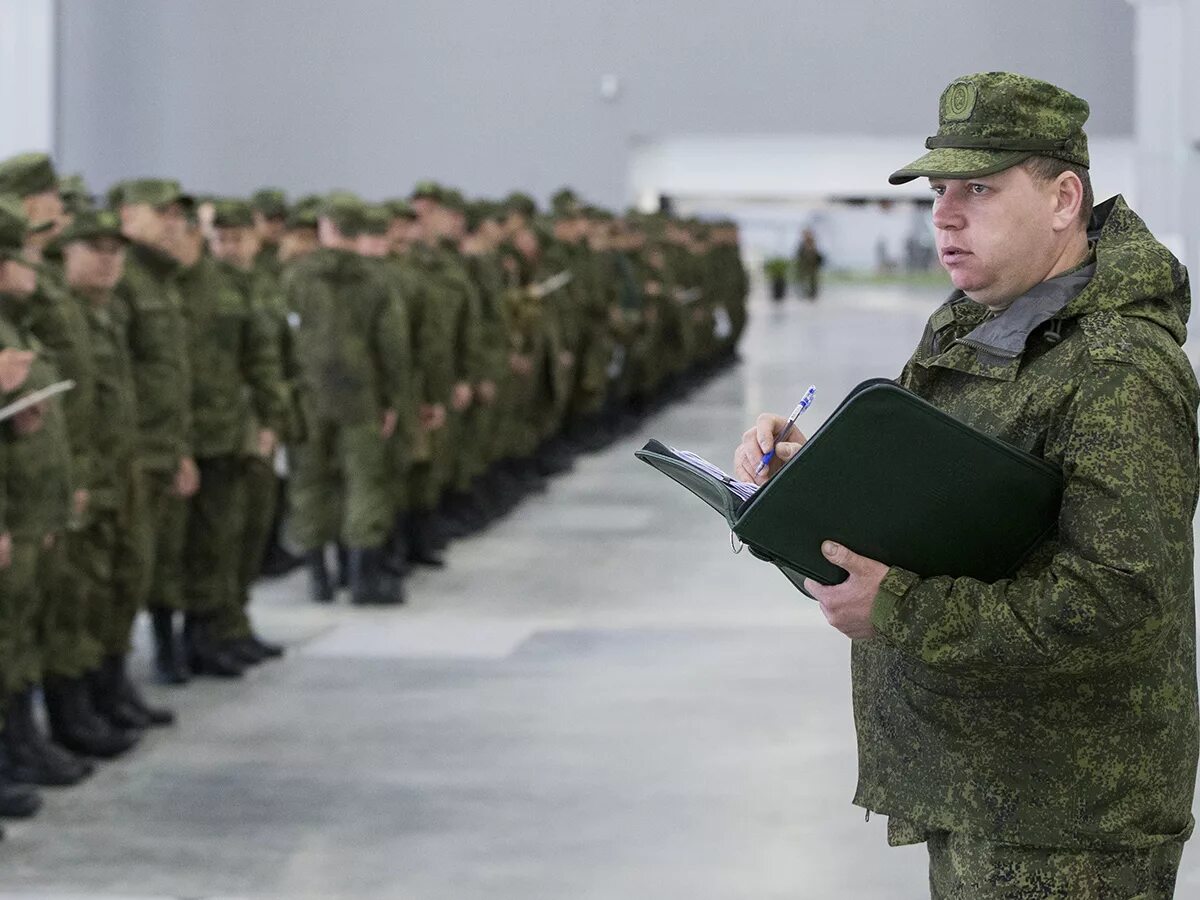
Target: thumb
(785, 450)
(843, 557)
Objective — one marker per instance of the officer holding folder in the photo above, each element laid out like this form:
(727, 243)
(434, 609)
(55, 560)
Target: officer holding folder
(1039, 732)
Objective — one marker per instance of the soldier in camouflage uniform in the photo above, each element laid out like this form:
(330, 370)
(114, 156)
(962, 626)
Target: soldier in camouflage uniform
(93, 617)
(238, 406)
(352, 350)
(1040, 732)
(36, 509)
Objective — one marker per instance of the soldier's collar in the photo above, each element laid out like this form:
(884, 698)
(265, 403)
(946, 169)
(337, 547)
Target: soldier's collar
(1005, 334)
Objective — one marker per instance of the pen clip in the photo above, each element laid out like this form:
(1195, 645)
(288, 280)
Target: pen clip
(735, 543)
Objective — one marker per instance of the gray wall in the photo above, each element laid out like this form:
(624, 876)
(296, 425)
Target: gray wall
(491, 95)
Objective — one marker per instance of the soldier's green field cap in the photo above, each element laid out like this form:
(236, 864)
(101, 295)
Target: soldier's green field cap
(992, 121)
(15, 228)
(429, 190)
(400, 209)
(75, 195)
(347, 212)
(27, 174)
(303, 213)
(157, 192)
(565, 202)
(521, 203)
(91, 225)
(271, 202)
(232, 214)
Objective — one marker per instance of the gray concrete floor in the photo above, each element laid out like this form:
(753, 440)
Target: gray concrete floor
(596, 700)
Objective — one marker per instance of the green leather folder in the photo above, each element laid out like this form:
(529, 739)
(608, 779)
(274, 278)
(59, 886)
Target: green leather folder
(895, 479)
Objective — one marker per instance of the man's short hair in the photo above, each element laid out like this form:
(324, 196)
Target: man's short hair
(1047, 168)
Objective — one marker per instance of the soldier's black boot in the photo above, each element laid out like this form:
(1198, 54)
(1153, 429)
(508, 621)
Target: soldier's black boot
(110, 705)
(169, 663)
(278, 560)
(396, 554)
(118, 678)
(17, 801)
(32, 757)
(206, 656)
(422, 545)
(266, 649)
(343, 563)
(76, 726)
(320, 587)
(369, 583)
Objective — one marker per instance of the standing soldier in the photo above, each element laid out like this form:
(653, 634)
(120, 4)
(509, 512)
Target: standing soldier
(351, 348)
(270, 223)
(153, 218)
(94, 623)
(237, 404)
(37, 500)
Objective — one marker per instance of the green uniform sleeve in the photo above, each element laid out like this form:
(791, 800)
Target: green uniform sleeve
(392, 348)
(433, 344)
(1126, 462)
(262, 367)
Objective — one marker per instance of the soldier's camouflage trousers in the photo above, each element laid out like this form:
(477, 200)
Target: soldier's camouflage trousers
(340, 488)
(260, 490)
(155, 575)
(64, 626)
(20, 659)
(964, 867)
(105, 557)
(216, 518)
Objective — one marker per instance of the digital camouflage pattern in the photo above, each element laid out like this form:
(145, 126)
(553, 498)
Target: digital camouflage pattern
(965, 867)
(991, 121)
(1056, 708)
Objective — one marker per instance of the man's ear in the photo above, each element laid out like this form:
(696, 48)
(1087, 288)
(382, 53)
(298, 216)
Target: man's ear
(1068, 199)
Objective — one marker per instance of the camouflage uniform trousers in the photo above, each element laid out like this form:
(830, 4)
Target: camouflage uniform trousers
(966, 867)
(428, 476)
(341, 487)
(155, 575)
(108, 559)
(213, 536)
(260, 494)
(68, 648)
(20, 600)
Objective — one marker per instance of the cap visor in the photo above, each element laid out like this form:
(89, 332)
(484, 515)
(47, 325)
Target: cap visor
(954, 162)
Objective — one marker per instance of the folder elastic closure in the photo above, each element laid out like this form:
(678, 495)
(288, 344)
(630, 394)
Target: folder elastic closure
(895, 479)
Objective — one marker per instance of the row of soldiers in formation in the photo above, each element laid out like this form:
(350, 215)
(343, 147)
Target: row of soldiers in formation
(403, 372)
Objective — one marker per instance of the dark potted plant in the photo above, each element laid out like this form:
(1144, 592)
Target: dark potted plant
(776, 269)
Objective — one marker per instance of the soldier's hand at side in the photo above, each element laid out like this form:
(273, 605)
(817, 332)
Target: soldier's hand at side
(79, 502)
(29, 421)
(566, 359)
(187, 478)
(388, 426)
(14, 368)
(461, 398)
(757, 441)
(433, 416)
(5, 550)
(486, 391)
(267, 442)
(847, 606)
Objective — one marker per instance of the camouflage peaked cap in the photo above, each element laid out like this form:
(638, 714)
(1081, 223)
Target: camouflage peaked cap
(428, 189)
(376, 219)
(75, 195)
(90, 225)
(231, 213)
(303, 213)
(271, 202)
(400, 209)
(521, 203)
(27, 174)
(14, 227)
(565, 202)
(347, 212)
(991, 121)
(157, 192)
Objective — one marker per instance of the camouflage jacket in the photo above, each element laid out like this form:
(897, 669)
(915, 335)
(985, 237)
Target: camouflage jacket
(153, 312)
(234, 351)
(114, 436)
(352, 344)
(1055, 708)
(35, 480)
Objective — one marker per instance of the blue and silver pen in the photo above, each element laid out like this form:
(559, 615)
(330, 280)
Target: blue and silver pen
(800, 407)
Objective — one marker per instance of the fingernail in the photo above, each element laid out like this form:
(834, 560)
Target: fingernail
(829, 548)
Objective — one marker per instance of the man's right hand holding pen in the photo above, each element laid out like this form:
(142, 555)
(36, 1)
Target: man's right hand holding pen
(758, 441)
